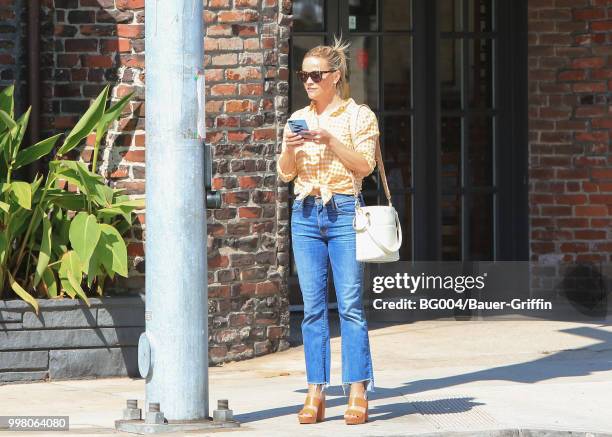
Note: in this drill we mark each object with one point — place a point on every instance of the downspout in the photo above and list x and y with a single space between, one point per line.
34 78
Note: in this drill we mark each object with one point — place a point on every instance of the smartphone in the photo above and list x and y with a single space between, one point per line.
297 126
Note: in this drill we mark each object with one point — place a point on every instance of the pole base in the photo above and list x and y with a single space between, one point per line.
140 427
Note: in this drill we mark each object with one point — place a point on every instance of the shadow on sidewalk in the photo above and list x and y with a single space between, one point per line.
584 361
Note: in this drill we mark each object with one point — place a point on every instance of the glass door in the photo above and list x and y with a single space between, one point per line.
380 75
454 143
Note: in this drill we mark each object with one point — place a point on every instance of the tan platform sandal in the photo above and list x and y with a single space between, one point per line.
313 410
357 411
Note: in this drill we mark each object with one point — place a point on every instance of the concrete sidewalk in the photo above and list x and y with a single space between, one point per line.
430 377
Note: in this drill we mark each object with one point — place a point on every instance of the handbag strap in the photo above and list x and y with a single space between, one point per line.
379 162
381 246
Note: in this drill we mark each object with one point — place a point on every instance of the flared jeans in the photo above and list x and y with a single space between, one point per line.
322 235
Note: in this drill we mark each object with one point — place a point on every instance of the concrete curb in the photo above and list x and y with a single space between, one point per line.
509 432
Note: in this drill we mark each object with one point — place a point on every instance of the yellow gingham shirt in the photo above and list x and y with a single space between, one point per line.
318 169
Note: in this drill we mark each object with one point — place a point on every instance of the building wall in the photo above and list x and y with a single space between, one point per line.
570 79
86 44
246 63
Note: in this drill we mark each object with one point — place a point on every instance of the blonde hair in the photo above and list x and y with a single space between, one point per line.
336 57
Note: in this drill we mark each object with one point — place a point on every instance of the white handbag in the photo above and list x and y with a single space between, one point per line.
378 229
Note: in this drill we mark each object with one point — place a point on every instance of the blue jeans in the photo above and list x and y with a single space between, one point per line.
320 235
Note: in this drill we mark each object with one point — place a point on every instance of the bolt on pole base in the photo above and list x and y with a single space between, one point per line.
141 427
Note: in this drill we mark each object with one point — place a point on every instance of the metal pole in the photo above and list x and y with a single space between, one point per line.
173 352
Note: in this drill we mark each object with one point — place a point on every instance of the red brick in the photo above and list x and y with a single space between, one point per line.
81 45
116 45
230 43
588 234
97 61
249 181
572 173
589 14
219 30
238 106
249 212
602 123
135 156
574 247
555 113
590 39
588 63
267 287
601 26
130 30
238 136
130 4
573 222
226 121
542 247
541 198
590 87
264 134
245 3
601 199
244 73
251 89
572 75
556 210
218 4
589 161
570 199
135 249
213 106
214 75
591 210
244 30
589 258
223 89
225 59
601 173
595 136
588 111
120 173
218 261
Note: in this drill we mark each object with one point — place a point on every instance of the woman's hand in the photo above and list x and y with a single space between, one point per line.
293 140
319 136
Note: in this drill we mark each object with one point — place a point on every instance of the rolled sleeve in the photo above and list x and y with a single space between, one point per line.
285 177
366 136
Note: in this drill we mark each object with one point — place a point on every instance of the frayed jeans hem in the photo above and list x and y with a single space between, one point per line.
323 384
369 387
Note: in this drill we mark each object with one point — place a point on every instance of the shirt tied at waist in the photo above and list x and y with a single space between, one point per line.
326 193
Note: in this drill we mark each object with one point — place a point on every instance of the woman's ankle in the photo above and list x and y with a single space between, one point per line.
316 389
359 388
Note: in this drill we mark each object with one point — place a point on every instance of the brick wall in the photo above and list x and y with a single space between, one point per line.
86 44
246 102
570 79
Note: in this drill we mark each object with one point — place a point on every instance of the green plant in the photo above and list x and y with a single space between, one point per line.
53 240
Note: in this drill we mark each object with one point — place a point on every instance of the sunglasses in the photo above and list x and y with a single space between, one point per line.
316 76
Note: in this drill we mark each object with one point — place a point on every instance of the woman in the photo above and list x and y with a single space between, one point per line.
321 160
